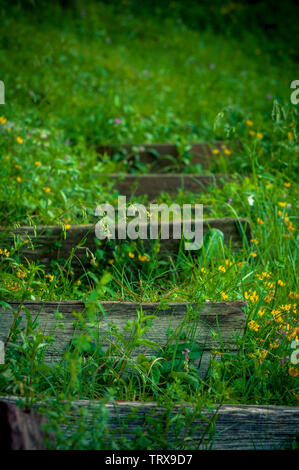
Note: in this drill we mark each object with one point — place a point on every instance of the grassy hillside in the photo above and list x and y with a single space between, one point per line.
84 75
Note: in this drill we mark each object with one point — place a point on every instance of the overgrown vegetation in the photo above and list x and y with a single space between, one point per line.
81 77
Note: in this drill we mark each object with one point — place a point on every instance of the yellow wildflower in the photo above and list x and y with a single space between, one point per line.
19 179
3 120
46 189
286 308
291 334
19 140
251 133
252 296
143 258
282 204
224 295
290 227
222 268
218 353
269 284
253 325
227 152
287 185
259 221
262 353
21 274
249 123
38 163
261 312
215 151
254 255
5 252
259 135
131 255
264 275
293 372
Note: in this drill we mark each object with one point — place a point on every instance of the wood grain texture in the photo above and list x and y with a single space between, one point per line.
238 427
226 319
154 184
47 243
157 155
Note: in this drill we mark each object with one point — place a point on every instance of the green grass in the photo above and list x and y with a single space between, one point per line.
66 83
154 75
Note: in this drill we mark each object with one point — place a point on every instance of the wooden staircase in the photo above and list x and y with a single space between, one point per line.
217 324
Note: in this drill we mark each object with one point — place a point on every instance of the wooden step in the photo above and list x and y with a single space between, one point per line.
237 427
157 155
49 242
226 319
153 184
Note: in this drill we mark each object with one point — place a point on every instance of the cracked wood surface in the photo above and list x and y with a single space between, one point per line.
237 427
211 325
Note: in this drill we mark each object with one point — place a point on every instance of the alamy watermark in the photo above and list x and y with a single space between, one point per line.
294 94
2 92
151 223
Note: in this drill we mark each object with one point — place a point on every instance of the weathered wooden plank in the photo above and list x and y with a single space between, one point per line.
153 184
157 155
238 427
47 243
226 319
